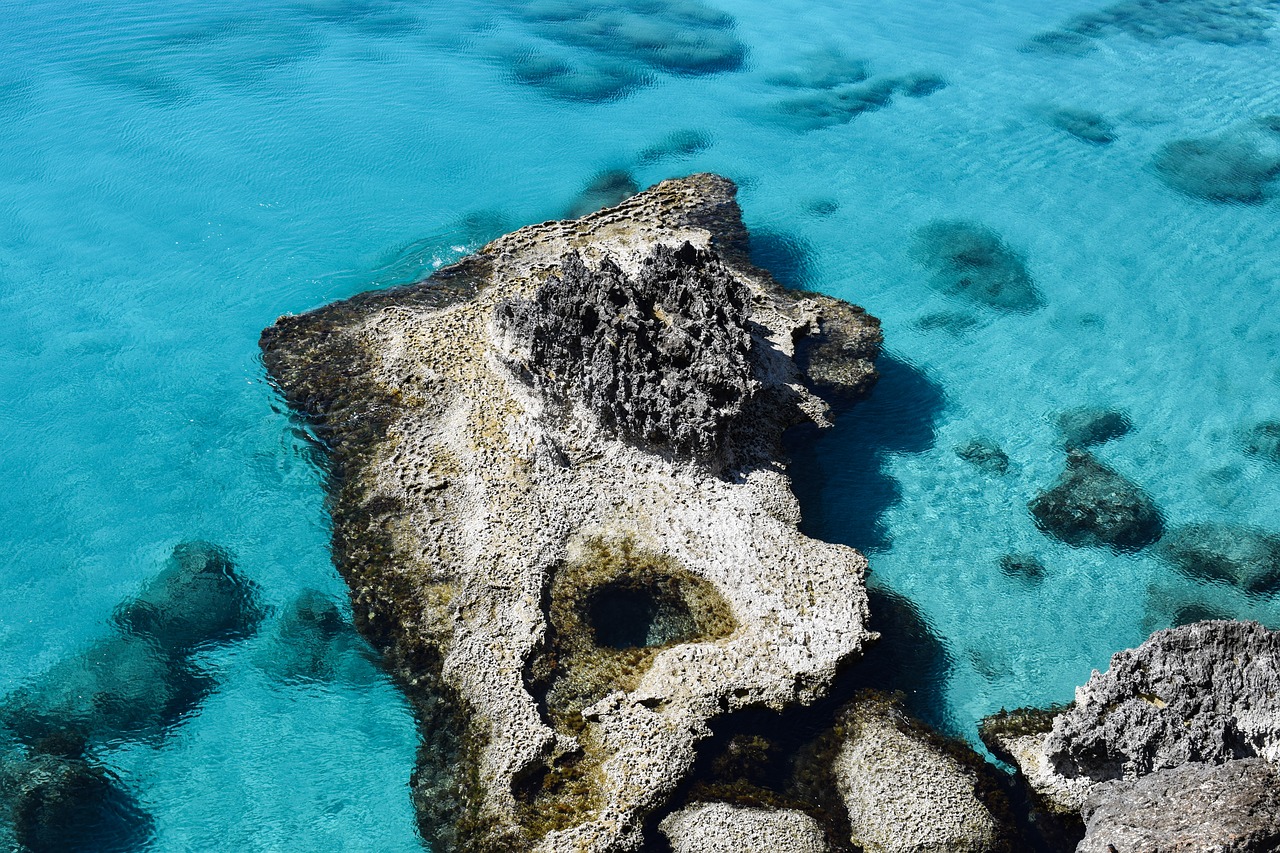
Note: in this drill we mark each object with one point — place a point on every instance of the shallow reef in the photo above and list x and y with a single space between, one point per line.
971 261
605 189
1263 440
1242 556
1086 426
985 454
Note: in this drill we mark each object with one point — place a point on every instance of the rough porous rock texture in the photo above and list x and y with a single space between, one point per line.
1206 693
722 828
559 502
908 791
1198 808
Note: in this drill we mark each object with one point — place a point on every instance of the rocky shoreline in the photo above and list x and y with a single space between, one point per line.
560 501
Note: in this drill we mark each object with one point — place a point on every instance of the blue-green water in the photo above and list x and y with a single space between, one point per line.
175 175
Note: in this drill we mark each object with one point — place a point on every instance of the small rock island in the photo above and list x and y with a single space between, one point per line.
559 499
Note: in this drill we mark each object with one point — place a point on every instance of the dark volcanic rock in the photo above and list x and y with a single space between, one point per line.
661 359
1232 553
1208 692
1092 504
1197 808
1090 425
970 260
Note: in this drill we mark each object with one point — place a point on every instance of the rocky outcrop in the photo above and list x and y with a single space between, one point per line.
722 828
1094 505
1205 693
559 501
909 791
1196 808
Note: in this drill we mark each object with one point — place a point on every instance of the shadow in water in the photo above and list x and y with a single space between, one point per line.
839 475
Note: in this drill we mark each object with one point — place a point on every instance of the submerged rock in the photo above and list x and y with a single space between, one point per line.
1094 505
1245 557
985 454
1263 440
1085 125
606 189
722 828
910 791
1217 169
1089 425
971 261
1024 566
560 504
1197 808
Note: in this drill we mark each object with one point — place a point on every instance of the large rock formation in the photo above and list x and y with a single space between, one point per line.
1206 693
1196 808
722 828
908 790
559 502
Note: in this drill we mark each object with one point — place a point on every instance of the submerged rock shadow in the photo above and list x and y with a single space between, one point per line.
839 475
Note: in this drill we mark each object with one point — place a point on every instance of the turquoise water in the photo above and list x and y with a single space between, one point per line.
175 175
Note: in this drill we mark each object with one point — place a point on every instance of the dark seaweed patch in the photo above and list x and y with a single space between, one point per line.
679 145
1263 440
985 454
1085 125
1224 22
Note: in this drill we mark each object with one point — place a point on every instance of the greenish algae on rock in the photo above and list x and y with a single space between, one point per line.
571 583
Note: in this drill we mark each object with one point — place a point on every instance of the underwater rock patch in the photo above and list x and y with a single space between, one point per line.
1222 169
1085 125
1263 440
972 261
984 454
1243 556
680 145
1087 426
561 571
1094 505
1025 567
1224 22
610 187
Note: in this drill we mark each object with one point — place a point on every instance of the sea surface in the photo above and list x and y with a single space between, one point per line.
175 175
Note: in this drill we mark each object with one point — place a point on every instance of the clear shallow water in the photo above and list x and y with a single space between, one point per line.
175 175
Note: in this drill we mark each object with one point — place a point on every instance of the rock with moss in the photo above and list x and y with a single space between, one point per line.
908 790
560 503
722 828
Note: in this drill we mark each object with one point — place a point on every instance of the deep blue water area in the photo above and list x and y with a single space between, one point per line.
1052 207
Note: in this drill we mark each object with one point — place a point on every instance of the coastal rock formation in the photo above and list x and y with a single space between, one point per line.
722 828
559 502
1205 693
909 791
1224 808
1092 504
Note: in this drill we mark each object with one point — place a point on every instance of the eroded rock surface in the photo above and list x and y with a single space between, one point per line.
559 502
909 791
1197 808
1205 693
722 828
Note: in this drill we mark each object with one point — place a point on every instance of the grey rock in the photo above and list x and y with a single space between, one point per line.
661 359
909 791
1094 505
1207 692
1197 808
1243 556
722 828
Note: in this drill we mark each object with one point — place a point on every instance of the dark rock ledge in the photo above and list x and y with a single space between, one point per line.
559 500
